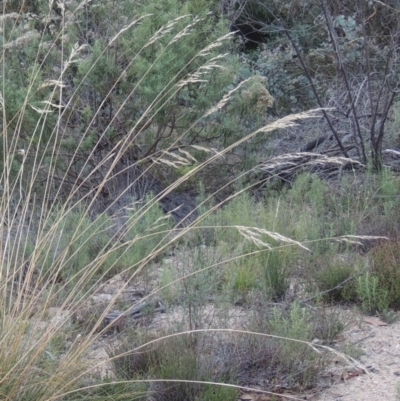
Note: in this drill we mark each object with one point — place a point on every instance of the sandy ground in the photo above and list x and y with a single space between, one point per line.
381 347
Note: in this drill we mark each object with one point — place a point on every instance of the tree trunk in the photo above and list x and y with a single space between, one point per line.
376 156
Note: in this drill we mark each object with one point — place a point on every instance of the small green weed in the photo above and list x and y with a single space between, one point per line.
353 350
373 297
245 279
277 272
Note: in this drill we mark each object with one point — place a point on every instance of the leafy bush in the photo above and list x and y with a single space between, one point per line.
373 297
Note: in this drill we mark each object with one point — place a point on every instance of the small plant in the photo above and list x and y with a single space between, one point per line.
169 292
277 275
389 316
373 297
353 350
245 279
296 361
327 324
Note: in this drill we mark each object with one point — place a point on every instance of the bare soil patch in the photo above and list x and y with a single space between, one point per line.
381 357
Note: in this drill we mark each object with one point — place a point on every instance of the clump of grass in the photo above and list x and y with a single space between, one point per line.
244 277
353 350
372 296
268 272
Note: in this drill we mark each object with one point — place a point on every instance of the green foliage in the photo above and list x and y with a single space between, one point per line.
296 358
388 191
245 278
75 245
79 242
286 82
147 70
373 297
170 292
296 324
277 272
389 316
151 91
304 215
149 84
147 228
18 6
353 350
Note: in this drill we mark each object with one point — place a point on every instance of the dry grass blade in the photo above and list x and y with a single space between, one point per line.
226 98
288 165
126 28
254 234
360 239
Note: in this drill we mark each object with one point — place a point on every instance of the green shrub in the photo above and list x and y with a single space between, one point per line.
373 297
267 271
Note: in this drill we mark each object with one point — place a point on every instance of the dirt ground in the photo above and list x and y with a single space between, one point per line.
380 379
